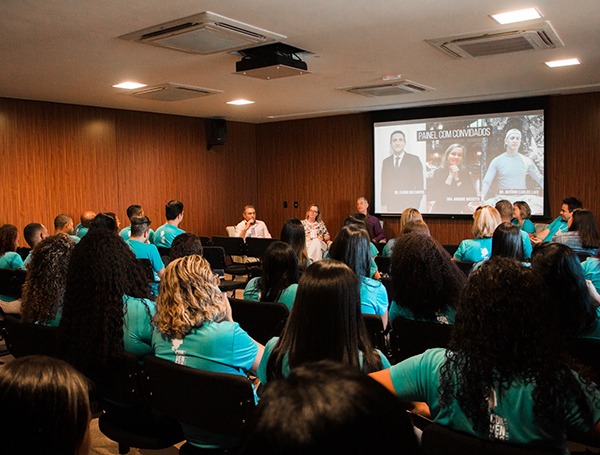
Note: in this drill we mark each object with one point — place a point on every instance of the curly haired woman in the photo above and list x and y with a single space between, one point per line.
505 376
46 281
195 328
106 308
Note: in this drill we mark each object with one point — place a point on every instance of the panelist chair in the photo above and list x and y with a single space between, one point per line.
218 402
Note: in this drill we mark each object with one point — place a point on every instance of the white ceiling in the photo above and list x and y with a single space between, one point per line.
67 51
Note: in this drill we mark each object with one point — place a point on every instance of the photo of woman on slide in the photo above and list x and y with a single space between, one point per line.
451 181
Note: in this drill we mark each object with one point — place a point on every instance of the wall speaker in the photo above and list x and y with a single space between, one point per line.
217 132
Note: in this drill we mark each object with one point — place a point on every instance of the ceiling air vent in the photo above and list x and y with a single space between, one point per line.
535 38
390 89
171 92
204 33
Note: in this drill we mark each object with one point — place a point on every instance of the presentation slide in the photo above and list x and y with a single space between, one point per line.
452 165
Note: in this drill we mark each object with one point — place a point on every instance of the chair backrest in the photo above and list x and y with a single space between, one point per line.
215 255
451 249
217 402
25 338
383 264
163 251
465 267
409 338
439 440
230 231
389 287
234 246
256 247
23 251
375 329
120 380
206 241
583 256
12 281
586 350
262 320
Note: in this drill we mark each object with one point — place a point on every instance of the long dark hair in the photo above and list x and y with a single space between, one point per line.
280 270
362 217
102 270
585 224
507 242
8 237
426 280
502 336
351 246
44 287
570 303
293 234
325 322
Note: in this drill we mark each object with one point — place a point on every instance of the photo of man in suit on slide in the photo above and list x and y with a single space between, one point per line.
401 177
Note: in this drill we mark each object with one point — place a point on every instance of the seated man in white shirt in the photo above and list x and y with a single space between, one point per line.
251 227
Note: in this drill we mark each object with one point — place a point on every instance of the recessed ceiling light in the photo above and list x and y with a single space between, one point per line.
129 85
517 16
566 62
240 102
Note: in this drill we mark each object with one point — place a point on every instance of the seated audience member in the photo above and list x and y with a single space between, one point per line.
506 242
134 210
138 242
195 328
44 288
582 234
106 221
33 234
591 270
570 302
418 227
327 407
44 408
250 226
506 210
522 216
362 205
316 233
560 223
279 280
520 390
63 224
363 224
106 308
426 283
164 235
352 247
185 245
407 216
325 324
9 259
292 233
85 219
485 221
368 227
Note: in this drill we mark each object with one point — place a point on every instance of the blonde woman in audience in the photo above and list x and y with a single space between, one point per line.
46 281
44 408
485 221
196 329
316 233
408 215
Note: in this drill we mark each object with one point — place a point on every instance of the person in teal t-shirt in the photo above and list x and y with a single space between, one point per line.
522 215
325 323
279 280
134 210
196 329
164 235
426 282
559 225
140 232
503 377
10 259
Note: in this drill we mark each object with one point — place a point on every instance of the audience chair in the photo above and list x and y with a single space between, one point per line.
218 402
586 350
25 338
205 241
163 251
12 281
409 338
389 287
376 332
383 264
262 320
465 267
583 256
234 247
23 251
256 247
127 418
451 249
215 255
439 440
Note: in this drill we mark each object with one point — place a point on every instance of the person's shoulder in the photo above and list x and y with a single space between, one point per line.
370 282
